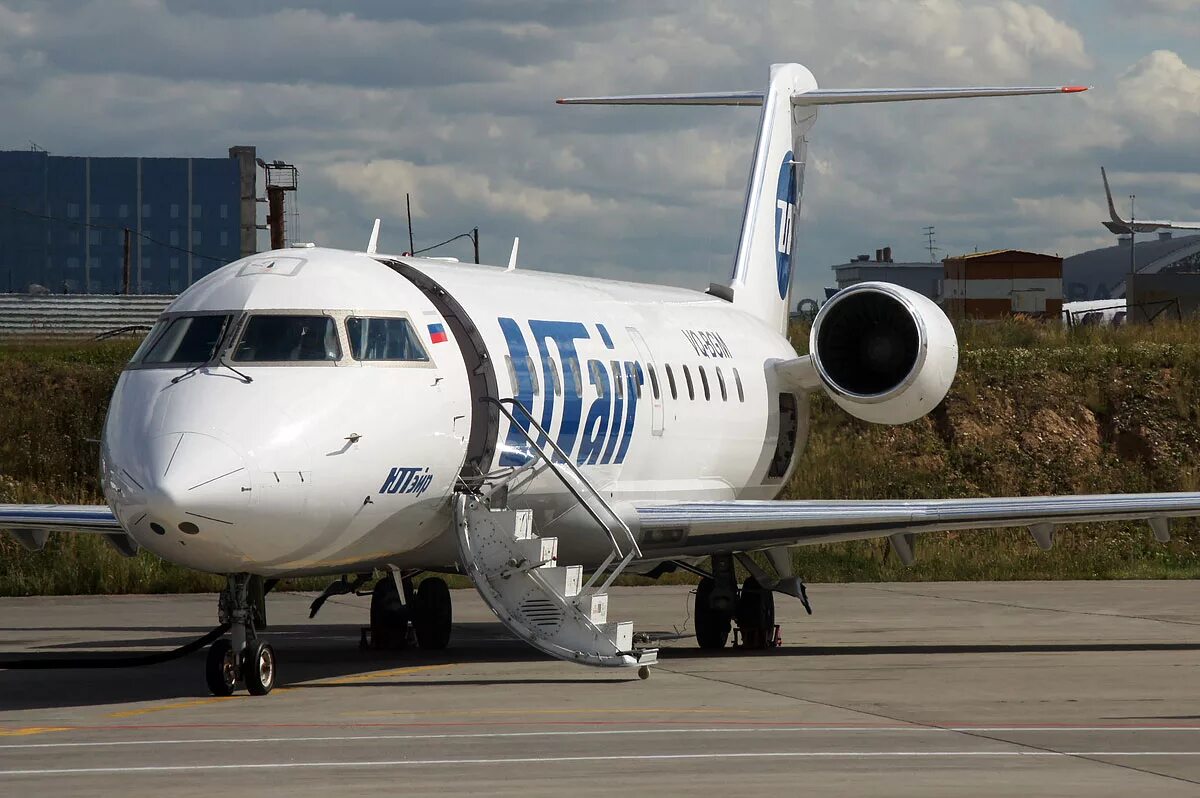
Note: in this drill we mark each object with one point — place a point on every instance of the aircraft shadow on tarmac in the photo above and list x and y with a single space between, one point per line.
310 657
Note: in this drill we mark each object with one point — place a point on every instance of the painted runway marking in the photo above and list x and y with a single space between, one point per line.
31 730
385 763
602 732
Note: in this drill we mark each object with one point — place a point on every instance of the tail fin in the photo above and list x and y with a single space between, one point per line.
762 269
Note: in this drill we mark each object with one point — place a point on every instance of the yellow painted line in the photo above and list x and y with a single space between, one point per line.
358 677
28 730
133 713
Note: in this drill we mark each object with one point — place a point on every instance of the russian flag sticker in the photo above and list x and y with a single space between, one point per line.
437 333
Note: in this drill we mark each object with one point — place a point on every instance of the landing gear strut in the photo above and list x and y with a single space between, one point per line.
241 658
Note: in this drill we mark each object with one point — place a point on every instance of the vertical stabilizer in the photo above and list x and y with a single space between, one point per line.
762 270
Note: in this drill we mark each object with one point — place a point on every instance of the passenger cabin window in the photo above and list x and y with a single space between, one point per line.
188 339
737 378
596 368
653 381
554 381
704 383
671 382
687 377
384 338
618 383
571 365
721 382
288 339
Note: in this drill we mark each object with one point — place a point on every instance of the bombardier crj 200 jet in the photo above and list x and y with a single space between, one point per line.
319 411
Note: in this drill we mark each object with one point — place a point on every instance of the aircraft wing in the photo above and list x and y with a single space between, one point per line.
693 528
31 524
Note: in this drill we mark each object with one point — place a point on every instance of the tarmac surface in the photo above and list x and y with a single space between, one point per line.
1080 688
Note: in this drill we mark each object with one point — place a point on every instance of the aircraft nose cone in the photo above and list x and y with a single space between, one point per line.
189 483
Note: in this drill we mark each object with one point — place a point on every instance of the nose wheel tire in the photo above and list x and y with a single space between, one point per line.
432 614
220 668
258 668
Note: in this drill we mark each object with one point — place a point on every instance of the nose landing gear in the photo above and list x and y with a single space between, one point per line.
240 659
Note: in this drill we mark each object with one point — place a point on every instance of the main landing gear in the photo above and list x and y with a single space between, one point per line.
240 659
424 616
719 603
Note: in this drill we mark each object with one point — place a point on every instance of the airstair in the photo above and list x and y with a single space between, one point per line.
548 605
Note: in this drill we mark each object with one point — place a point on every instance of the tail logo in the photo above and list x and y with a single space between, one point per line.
785 213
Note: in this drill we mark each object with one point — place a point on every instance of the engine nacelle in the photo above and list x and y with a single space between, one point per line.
884 353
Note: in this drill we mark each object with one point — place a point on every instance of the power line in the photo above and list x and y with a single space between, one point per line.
444 243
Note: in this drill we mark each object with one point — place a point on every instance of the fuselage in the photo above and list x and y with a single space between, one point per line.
313 410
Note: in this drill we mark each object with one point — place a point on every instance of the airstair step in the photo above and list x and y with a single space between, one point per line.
538 550
563 580
594 606
523 524
621 633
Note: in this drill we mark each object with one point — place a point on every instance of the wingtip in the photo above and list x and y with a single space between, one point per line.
1074 89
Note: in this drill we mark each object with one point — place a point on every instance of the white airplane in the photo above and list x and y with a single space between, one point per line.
1122 227
317 411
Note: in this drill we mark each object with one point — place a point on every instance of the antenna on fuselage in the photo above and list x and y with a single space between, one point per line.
512 258
374 242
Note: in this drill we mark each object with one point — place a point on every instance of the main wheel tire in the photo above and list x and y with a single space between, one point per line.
389 616
756 614
220 668
432 614
258 668
712 626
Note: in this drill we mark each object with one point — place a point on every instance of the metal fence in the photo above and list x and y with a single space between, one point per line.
77 315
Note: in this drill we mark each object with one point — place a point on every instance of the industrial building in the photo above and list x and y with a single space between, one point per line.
1102 273
924 278
107 225
987 285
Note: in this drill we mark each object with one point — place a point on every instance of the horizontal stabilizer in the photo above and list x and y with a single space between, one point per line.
822 96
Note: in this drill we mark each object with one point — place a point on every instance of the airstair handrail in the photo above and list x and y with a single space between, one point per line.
635 550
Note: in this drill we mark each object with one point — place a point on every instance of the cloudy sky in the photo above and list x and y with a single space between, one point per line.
452 102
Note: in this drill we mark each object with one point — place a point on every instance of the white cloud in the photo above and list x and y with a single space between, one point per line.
451 103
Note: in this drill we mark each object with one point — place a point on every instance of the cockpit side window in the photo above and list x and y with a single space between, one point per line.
272 338
187 339
384 338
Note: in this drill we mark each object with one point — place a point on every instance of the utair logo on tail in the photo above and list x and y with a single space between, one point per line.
785 214
607 425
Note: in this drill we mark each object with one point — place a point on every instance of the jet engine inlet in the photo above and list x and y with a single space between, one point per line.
885 354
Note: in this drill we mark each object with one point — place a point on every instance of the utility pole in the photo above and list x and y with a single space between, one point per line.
125 263
475 240
1132 240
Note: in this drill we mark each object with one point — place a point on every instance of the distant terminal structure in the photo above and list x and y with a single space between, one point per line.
1103 273
73 224
924 278
1003 282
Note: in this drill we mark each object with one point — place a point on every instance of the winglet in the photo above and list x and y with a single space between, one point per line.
374 242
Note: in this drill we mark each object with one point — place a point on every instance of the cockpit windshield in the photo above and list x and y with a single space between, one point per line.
187 339
270 338
384 338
